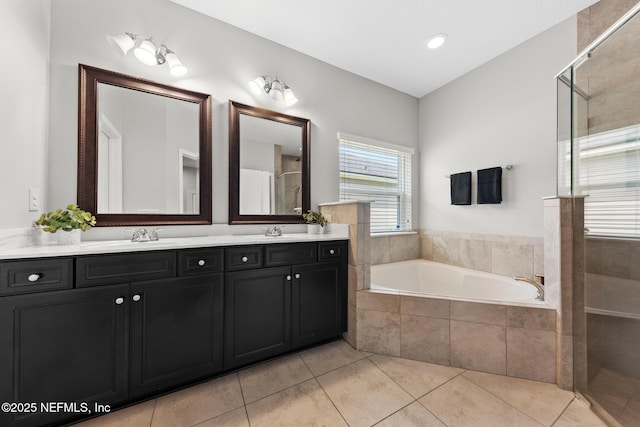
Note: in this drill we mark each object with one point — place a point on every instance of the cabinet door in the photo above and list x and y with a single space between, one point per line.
317 303
176 331
257 315
63 346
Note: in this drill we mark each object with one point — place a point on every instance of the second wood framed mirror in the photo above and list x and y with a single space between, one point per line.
269 166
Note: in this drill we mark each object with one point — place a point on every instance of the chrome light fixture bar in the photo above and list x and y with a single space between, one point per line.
276 89
147 52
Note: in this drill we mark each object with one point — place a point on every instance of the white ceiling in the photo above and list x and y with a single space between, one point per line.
384 40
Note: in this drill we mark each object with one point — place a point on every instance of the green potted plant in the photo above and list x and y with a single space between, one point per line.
316 222
70 222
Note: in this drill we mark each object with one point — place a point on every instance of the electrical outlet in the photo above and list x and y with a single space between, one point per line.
34 200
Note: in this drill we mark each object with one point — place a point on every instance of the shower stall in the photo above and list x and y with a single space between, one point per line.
599 159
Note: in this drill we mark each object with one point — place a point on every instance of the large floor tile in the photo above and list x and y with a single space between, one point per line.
578 414
414 415
416 378
303 405
198 403
235 418
133 416
328 357
541 401
460 402
271 377
363 393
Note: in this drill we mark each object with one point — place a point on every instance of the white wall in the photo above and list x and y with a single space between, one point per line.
503 112
221 60
24 85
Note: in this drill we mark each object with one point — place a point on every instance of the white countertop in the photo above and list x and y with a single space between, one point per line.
116 246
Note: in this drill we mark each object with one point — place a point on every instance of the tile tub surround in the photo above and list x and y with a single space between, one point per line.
335 385
501 339
393 247
356 216
505 255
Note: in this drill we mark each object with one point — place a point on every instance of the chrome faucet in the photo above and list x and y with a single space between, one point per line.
273 232
538 286
142 235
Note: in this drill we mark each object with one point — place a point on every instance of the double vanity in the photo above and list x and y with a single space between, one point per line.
111 323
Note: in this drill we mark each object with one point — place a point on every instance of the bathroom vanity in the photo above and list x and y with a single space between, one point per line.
114 328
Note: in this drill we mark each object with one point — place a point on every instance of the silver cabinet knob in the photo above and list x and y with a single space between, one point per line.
119 300
201 262
136 298
288 277
331 251
245 259
33 277
297 275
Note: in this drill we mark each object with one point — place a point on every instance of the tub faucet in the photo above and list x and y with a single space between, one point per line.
538 286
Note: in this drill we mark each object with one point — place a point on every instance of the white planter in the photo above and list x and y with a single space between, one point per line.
72 237
315 229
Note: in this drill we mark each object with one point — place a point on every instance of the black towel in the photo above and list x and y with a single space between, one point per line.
461 188
490 186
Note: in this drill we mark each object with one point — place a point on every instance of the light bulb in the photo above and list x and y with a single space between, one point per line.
276 90
146 52
257 85
289 97
123 42
175 66
436 41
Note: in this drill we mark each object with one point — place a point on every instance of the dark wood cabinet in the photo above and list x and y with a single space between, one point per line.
111 329
63 346
317 303
257 315
176 332
272 310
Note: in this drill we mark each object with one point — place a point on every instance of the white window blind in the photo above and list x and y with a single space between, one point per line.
378 172
609 174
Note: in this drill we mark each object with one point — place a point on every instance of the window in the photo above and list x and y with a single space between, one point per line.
609 174
381 173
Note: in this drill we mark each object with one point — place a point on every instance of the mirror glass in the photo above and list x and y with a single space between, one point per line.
151 144
268 166
144 151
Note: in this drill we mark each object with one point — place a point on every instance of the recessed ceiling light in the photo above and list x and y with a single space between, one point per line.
436 41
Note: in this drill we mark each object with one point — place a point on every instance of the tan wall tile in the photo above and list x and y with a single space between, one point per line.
479 346
531 354
404 247
425 339
380 250
478 313
368 300
531 318
475 254
420 306
512 260
378 332
445 250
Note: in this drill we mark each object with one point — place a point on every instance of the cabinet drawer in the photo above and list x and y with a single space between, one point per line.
131 267
199 261
37 275
242 257
332 251
290 253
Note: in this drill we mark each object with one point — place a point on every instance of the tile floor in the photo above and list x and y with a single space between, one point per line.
335 385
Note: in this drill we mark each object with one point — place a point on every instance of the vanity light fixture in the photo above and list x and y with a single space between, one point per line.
276 89
147 52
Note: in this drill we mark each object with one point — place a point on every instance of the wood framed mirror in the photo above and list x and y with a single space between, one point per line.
144 151
269 166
